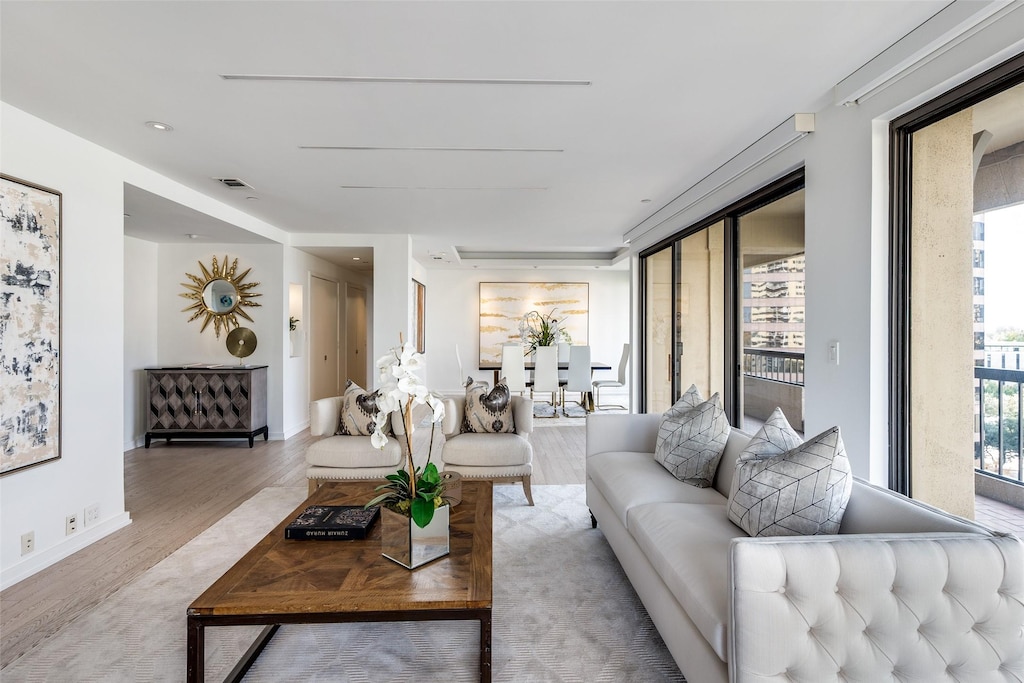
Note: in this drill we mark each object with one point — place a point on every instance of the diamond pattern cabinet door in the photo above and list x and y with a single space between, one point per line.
226 404
172 401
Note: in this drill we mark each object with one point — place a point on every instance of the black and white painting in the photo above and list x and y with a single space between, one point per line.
30 224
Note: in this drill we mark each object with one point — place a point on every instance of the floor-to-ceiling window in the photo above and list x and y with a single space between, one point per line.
723 309
957 303
772 289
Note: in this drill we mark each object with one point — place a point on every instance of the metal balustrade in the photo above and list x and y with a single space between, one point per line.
777 365
1005 460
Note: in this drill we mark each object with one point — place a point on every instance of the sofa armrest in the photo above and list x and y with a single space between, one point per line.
324 415
930 606
522 415
635 432
451 424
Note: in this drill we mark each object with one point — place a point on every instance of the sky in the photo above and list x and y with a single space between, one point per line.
1004 268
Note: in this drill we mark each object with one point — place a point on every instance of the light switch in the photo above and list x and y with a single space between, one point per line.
833 353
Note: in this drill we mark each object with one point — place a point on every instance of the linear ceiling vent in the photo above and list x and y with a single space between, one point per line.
234 183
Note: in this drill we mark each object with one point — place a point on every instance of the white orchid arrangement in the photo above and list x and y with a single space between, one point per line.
408 491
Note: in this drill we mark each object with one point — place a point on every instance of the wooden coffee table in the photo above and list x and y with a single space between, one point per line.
312 582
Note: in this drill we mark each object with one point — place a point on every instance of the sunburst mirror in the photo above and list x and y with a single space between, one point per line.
220 294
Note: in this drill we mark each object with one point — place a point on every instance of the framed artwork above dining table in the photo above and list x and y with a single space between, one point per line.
504 304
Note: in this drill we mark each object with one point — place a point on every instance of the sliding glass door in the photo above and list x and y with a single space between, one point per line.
957 319
723 309
684 317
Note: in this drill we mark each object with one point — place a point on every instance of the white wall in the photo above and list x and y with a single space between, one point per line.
90 470
299 267
847 233
180 342
95 424
140 344
453 317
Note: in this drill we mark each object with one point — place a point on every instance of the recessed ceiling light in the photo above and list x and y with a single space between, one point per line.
356 258
253 199
409 187
401 79
645 201
157 125
375 148
192 236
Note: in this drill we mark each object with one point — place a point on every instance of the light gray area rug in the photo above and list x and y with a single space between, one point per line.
563 611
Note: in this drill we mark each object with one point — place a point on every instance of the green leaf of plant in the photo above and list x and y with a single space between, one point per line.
422 512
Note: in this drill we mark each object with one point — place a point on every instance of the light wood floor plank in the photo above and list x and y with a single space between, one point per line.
175 492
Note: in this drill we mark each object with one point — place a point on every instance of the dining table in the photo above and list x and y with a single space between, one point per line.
562 365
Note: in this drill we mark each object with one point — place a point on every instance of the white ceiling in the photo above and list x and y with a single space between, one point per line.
675 89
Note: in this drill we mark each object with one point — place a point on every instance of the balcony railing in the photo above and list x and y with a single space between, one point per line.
774 364
998 437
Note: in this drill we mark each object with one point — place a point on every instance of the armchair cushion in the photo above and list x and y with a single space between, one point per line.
353 451
358 409
487 450
488 411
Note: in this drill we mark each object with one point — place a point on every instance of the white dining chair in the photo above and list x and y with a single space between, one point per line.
463 376
563 357
545 375
513 367
579 378
598 383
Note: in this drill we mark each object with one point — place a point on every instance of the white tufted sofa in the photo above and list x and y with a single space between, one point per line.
904 592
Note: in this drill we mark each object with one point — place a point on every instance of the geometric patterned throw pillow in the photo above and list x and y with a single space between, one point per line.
689 400
358 409
785 487
488 411
691 440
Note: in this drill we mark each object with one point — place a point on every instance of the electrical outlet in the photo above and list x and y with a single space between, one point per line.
72 525
92 514
28 542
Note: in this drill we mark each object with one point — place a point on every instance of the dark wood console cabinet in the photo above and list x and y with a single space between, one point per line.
208 402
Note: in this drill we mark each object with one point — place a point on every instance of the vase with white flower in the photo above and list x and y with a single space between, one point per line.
414 512
539 329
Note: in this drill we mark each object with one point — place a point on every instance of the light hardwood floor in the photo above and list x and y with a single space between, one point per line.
175 492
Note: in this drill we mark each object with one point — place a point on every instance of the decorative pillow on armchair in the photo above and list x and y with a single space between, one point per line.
786 487
488 411
358 410
691 440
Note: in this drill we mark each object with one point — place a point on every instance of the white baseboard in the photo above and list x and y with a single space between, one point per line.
289 433
42 559
139 442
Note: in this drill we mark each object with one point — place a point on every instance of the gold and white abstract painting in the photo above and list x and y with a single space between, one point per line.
503 305
29 324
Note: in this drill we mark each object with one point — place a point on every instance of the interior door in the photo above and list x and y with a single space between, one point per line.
323 339
355 334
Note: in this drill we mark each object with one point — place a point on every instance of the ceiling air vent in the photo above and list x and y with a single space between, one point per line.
234 183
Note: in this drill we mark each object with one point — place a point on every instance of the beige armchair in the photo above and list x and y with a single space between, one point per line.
496 457
337 457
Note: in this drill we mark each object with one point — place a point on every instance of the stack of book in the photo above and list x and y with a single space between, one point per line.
332 522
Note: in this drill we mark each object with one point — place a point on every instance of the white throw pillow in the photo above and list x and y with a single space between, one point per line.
691 440
785 487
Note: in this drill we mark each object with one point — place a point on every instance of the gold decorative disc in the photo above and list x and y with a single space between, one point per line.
241 342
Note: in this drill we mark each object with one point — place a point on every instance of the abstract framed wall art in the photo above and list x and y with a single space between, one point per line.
30 334
419 327
503 305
